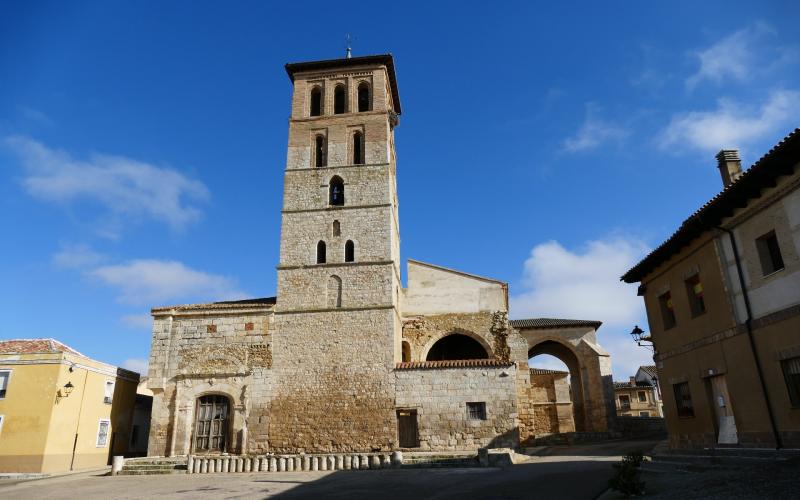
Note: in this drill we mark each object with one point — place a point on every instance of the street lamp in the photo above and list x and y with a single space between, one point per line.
68 388
639 337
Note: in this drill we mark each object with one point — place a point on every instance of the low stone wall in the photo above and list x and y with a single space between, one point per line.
289 463
642 426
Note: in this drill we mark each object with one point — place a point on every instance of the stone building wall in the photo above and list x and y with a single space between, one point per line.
550 397
210 349
440 396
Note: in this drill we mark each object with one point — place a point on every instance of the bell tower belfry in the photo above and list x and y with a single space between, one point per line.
337 328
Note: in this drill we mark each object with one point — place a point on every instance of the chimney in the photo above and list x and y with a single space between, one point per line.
633 380
730 166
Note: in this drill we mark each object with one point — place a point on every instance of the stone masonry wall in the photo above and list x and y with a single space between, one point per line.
205 351
440 396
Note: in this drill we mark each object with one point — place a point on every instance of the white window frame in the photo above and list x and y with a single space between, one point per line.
8 381
2 419
108 433
106 398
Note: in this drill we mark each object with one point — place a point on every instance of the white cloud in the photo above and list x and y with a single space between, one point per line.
138 321
125 187
137 365
150 281
584 284
78 256
740 56
733 124
594 132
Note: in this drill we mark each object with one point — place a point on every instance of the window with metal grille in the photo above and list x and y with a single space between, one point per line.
476 411
769 253
4 376
642 397
694 289
667 310
683 399
644 413
791 373
320 159
624 401
108 395
102 433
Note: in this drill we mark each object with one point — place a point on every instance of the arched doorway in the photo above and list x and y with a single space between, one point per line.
456 346
570 360
212 424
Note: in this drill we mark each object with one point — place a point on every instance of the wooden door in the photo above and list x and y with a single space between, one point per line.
211 426
407 428
721 402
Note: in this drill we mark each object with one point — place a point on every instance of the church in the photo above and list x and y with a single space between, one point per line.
346 359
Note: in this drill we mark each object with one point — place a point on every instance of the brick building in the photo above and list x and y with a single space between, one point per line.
346 358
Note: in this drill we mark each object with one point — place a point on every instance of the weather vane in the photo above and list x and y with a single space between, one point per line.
348 41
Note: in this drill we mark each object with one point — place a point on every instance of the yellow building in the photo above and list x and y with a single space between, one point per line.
635 399
60 410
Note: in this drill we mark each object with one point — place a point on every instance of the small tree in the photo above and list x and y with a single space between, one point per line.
626 475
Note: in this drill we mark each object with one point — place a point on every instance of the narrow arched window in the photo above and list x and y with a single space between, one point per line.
336 191
316 102
358 148
339 100
406 352
349 251
363 97
337 228
334 291
320 155
321 252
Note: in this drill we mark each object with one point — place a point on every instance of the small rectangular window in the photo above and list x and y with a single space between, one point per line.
694 289
108 396
769 253
476 411
4 376
791 373
624 401
667 310
102 433
644 413
642 397
683 399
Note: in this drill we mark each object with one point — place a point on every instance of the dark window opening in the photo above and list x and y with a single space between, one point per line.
769 253
683 400
363 98
694 289
667 310
358 148
791 373
642 397
316 102
476 411
456 346
337 228
406 352
349 251
321 252
339 100
336 191
624 401
320 159
644 413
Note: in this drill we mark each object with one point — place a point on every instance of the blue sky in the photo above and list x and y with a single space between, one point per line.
550 145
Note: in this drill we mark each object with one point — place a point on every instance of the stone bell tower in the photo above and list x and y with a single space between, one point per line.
337 330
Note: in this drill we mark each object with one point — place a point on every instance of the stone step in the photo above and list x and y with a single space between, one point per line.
125 472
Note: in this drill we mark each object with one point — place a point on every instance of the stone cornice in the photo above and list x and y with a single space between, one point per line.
336 264
335 208
340 167
336 309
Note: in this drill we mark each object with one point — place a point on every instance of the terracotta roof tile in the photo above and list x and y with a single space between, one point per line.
628 385
553 323
649 369
225 304
30 346
456 363
543 371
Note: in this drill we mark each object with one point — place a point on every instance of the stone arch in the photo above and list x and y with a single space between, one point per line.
188 393
567 355
589 366
464 333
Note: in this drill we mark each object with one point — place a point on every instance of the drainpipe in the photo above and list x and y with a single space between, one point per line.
748 327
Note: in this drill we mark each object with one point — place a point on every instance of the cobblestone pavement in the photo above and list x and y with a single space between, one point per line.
773 480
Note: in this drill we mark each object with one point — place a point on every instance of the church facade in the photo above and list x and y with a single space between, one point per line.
345 359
